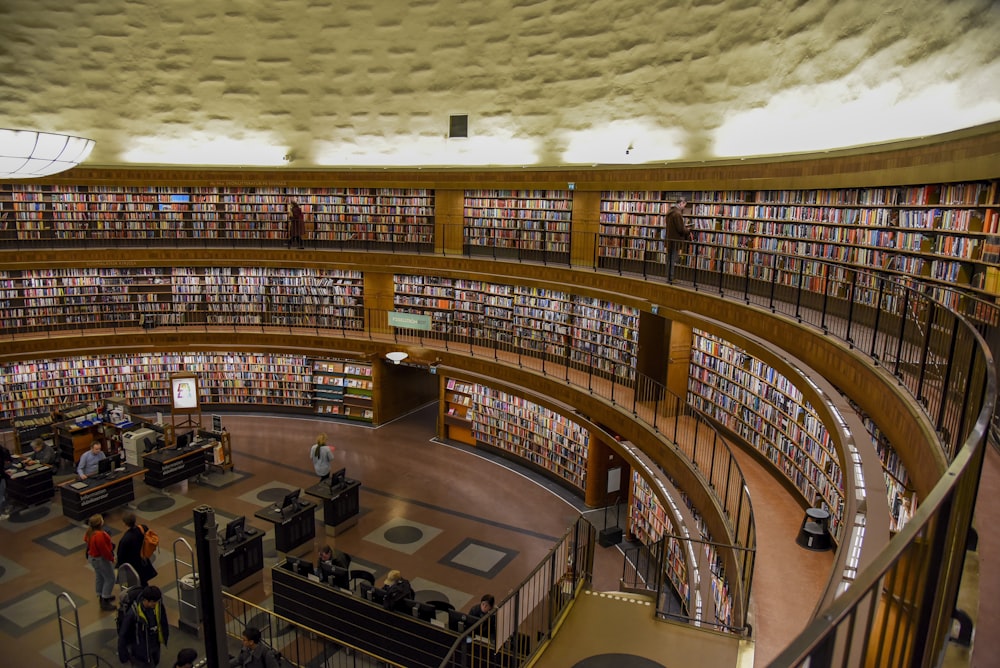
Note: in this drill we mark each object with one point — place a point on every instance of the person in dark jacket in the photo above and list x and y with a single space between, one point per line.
144 630
677 234
130 549
296 225
397 588
482 609
254 653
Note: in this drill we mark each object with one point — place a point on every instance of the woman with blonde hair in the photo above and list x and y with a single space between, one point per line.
101 556
322 457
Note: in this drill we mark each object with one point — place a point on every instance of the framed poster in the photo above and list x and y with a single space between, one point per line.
184 395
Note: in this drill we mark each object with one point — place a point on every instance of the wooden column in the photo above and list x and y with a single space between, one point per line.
586 224
601 459
449 218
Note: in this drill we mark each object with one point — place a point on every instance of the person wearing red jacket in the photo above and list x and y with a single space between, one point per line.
101 556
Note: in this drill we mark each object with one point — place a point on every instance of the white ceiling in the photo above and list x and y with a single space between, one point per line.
544 82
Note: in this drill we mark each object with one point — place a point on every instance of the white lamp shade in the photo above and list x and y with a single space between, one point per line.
25 154
396 357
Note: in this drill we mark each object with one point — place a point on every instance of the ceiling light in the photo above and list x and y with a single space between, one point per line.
25 154
396 357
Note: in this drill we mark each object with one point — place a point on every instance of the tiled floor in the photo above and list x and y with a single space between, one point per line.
455 523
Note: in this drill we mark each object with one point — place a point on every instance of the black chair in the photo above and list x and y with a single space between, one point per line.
365 591
363 576
424 611
444 606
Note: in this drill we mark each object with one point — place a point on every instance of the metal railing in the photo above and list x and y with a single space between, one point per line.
511 635
940 358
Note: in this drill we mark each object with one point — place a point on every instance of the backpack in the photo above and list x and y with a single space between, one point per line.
125 601
150 544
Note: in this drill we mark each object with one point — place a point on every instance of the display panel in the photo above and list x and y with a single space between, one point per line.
184 393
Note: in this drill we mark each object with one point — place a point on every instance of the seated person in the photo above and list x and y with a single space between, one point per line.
42 453
254 653
480 610
397 588
89 461
331 557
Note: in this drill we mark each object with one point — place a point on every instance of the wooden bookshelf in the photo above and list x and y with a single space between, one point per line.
632 228
359 390
530 224
400 219
593 334
515 427
458 410
765 410
901 495
153 296
328 387
258 380
649 523
943 234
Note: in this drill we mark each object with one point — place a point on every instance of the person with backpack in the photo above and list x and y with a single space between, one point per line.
130 549
144 630
322 457
101 556
254 653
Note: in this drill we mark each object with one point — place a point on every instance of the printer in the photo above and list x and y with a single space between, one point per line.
134 444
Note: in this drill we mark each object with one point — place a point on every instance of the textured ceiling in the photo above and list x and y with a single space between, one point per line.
544 82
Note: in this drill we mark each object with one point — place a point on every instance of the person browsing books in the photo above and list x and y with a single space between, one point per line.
677 234
90 461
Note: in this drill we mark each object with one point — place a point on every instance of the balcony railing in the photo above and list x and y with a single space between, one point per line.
897 611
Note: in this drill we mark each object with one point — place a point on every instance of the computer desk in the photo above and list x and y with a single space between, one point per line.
341 505
83 498
169 466
292 528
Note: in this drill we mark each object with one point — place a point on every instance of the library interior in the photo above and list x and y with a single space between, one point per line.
474 357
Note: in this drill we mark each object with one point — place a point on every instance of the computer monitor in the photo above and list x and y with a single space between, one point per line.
291 500
148 445
235 529
338 478
424 611
458 621
299 566
105 466
378 596
183 440
335 575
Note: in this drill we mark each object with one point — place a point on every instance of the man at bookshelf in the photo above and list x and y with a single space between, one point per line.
677 232
90 461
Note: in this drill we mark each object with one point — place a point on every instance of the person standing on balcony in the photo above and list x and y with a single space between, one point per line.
296 225
677 234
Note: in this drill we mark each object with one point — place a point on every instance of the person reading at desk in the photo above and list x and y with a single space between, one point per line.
90 461
330 557
42 453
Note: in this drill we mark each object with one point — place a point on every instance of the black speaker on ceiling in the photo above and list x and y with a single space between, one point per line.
458 125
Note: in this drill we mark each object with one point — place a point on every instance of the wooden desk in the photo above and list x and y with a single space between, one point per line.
403 639
169 466
292 528
341 505
74 438
242 560
30 486
83 498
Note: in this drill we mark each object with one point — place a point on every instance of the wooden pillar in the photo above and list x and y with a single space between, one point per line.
602 460
378 298
449 219
586 224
